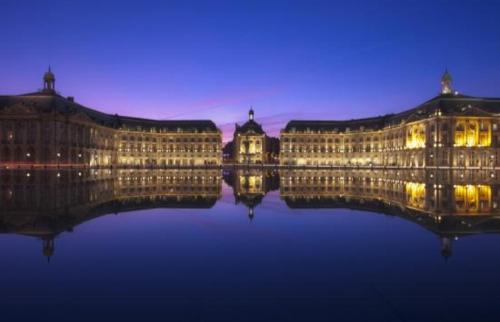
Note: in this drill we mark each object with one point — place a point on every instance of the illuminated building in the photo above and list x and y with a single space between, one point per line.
451 130
446 203
436 193
46 203
47 129
251 185
251 145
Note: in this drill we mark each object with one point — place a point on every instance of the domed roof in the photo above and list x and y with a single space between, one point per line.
446 76
49 76
250 126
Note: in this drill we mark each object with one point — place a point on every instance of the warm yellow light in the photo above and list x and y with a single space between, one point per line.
415 137
473 133
415 194
472 198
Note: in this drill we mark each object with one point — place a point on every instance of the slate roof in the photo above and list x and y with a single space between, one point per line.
49 102
249 126
446 104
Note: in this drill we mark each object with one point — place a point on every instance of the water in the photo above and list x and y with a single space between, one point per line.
250 245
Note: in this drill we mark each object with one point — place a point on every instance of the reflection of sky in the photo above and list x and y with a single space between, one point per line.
217 262
214 59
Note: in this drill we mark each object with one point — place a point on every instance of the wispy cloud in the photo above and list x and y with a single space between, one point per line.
223 100
272 124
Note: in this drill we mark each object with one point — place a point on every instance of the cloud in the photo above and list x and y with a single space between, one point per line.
223 100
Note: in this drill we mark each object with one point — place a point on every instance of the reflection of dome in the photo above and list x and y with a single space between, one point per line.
446 250
251 213
48 248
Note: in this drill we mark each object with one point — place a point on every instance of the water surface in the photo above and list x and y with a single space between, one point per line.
250 245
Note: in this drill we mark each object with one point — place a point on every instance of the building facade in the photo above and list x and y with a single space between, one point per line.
46 203
47 129
450 130
251 145
249 142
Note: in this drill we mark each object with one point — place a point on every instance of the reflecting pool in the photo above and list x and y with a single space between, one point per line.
249 245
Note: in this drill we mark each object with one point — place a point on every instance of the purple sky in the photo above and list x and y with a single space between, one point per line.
215 59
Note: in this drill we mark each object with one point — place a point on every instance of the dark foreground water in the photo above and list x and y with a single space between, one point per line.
249 246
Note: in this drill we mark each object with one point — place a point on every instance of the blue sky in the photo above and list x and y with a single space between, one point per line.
215 59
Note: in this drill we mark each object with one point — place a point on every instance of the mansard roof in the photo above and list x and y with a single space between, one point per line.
50 102
249 126
447 104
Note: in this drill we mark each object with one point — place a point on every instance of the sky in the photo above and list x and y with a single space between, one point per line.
216 59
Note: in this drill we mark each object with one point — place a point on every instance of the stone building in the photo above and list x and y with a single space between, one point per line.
249 142
450 130
47 203
450 204
46 129
251 145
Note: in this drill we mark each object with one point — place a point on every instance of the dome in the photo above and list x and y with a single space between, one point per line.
49 76
446 76
446 83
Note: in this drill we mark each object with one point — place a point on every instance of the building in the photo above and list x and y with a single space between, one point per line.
450 130
47 203
249 142
448 203
251 185
47 129
251 145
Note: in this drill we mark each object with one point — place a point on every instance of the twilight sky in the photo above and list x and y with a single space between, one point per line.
215 59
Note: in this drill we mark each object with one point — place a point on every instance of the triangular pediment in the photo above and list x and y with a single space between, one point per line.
472 111
415 116
80 117
17 109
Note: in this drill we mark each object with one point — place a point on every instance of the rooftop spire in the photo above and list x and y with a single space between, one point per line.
250 114
446 83
49 81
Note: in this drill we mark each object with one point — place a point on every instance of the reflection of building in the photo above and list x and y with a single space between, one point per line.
251 185
44 203
437 193
450 130
44 128
449 204
251 145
